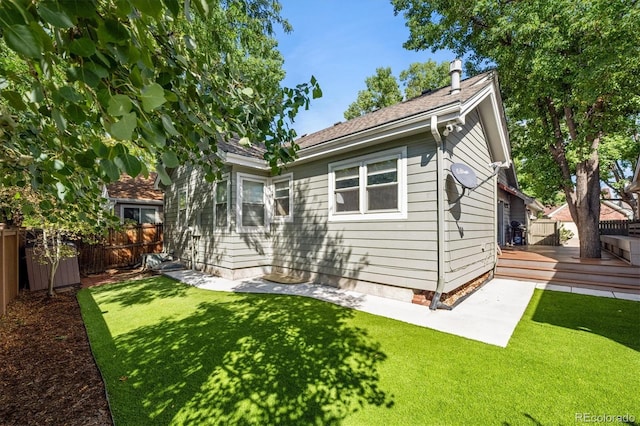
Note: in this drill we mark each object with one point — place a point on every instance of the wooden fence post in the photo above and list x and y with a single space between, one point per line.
9 267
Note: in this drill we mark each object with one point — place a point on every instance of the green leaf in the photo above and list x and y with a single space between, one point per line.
53 15
173 6
170 159
46 205
82 47
147 7
151 133
110 169
128 164
76 113
60 121
70 94
99 148
112 31
317 92
152 97
21 39
247 91
119 105
164 176
168 125
123 129
86 159
14 99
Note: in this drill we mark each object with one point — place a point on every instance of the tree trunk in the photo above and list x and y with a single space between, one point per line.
586 210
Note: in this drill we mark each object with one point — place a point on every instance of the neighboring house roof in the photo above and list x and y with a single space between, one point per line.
139 188
608 211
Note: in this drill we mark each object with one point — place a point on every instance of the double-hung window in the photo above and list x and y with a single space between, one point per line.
370 187
283 198
182 207
252 207
221 203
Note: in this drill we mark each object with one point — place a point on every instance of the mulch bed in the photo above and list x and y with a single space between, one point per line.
47 372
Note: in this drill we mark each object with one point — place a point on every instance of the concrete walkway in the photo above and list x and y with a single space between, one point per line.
489 315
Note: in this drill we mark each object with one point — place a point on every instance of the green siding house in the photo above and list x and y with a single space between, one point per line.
370 204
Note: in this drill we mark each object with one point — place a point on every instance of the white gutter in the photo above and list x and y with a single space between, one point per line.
435 301
241 160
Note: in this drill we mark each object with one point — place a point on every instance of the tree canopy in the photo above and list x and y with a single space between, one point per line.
570 72
86 85
383 88
421 76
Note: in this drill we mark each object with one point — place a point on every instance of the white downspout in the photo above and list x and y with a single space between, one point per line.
435 301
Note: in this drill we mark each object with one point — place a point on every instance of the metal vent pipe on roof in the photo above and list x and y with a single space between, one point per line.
455 71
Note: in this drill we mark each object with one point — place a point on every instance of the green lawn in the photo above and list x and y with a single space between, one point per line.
174 354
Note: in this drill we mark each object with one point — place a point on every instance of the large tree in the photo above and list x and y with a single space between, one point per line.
422 76
382 90
570 71
91 83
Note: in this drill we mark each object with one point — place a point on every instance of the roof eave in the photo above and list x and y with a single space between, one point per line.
241 160
391 130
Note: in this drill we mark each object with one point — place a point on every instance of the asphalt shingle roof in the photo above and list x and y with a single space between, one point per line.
426 102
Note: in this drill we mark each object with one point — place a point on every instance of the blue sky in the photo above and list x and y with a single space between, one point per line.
342 43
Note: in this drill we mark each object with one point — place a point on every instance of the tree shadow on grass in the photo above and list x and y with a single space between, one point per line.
614 319
245 359
130 293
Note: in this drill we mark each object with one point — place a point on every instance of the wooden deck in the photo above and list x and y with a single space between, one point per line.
558 254
563 266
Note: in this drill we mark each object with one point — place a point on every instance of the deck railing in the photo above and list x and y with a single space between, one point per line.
619 227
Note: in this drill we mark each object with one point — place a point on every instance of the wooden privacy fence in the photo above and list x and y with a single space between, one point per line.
39 271
544 232
121 248
9 266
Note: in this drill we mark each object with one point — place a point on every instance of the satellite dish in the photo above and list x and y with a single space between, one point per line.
464 175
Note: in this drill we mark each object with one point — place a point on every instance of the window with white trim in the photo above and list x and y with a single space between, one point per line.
369 187
221 204
140 214
283 198
252 203
182 207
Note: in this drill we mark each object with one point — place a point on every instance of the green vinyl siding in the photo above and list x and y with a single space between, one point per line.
399 252
470 246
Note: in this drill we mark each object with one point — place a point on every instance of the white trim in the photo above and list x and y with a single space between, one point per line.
285 177
135 201
265 197
243 160
361 162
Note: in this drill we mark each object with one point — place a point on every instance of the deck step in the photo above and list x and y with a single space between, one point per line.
587 275
626 288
